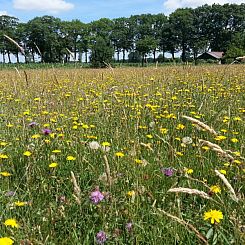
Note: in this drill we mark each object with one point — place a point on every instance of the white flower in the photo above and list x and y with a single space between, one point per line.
94 145
187 140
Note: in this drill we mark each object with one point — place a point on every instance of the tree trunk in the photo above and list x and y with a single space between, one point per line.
172 52
123 55
118 59
17 57
33 56
154 55
9 57
86 57
3 57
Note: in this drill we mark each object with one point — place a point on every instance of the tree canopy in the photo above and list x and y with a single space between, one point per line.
186 30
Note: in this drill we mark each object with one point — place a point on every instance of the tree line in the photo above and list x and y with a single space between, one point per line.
186 30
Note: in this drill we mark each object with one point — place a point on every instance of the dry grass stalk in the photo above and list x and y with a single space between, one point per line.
201 125
107 170
228 185
190 191
184 223
217 149
16 44
77 190
148 146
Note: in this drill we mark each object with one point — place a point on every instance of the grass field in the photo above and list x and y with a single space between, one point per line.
109 156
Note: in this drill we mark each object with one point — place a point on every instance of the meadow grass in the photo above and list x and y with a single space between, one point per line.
124 135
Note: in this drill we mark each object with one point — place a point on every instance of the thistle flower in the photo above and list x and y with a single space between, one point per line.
96 196
167 171
46 131
101 237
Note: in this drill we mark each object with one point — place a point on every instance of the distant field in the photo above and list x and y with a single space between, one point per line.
95 156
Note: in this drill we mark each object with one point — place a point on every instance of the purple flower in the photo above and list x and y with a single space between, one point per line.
32 124
10 194
46 131
96 196
129 226
167 171
101 237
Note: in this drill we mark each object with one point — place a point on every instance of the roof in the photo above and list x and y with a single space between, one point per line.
211 55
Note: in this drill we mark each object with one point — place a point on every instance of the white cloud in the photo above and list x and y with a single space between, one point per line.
3 12
52 6
171 5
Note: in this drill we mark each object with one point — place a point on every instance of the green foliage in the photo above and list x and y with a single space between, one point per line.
101 53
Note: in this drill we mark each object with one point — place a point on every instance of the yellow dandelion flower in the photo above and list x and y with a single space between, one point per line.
215 189
220 137
178 153
105 143
180 126
237 161
35 136
131 193
222 171
70 158
5 174
206 148
53 165
11 222
138 161
119 154
237 119
214 215
3 156
19 204
234 140
149 136
188 170
6 241
56 151
163 130
27 153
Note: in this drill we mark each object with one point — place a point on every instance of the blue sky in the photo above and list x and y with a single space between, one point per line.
88 10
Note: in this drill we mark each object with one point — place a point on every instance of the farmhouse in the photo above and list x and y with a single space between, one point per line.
211 56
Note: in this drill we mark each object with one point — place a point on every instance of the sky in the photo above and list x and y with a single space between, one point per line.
89 10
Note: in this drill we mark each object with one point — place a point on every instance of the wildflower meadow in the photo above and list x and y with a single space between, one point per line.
122 156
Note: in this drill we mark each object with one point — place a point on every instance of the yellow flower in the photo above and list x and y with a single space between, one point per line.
6 241
213 215
178 153
237 119
149 136
234 140
131 193
138 161
19 204
237 161
11 222
105 143
56 151
119 154
70 158
5 174
27 153
189 170
163 130
220 137
222 171
35 136
206 148
3 156
180 126
53 165
215 189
